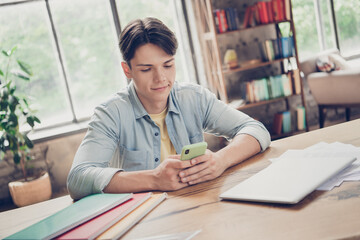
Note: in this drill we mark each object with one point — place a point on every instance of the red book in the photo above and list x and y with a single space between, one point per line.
246 22
280 10
270 11
223 21
94 227
262 9
277 123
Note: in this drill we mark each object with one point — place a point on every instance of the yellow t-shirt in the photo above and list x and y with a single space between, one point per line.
166 147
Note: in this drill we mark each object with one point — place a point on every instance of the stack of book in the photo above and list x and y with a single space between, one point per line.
282 121
269 88
226 19
102 216
278 48
264 12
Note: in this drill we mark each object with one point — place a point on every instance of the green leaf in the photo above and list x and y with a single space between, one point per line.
36 119
28 142
25 67
30 121
12 50
22 76
12 88
5 53
1 73
4 93
13 102
25 101
17 158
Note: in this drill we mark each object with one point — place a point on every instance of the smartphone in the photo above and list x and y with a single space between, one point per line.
193 150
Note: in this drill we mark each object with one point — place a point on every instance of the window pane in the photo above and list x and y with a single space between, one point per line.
90 50
166 12
326 25
348 26
27 26
306 33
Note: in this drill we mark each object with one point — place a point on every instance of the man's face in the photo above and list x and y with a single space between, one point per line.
153 72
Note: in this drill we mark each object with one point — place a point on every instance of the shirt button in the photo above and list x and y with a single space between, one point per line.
156 134
156 159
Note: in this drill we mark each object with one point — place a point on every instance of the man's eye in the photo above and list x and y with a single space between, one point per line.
145 70
168 66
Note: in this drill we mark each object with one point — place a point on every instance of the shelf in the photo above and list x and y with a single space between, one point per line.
256 104
252 66
248 28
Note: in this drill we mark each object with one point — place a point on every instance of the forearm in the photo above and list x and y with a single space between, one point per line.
139 181
241 148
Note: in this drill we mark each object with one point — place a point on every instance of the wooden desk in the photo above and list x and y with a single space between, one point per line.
321 215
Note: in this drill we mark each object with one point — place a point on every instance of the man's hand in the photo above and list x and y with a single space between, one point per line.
167 173
203 168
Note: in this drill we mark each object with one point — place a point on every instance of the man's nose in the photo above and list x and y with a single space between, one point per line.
159 75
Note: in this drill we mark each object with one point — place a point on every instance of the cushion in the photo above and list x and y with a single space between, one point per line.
324 64
340 62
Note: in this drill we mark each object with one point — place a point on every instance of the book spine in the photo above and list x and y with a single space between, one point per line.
223 21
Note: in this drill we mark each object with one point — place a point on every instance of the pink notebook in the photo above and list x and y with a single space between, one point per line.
94 227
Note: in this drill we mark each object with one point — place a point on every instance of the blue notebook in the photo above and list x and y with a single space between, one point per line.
71 216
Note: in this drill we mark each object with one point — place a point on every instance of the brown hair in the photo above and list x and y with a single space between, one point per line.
143 31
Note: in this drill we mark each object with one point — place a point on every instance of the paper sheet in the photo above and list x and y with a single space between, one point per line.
336 149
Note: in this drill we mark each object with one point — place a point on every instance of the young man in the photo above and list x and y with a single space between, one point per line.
134 138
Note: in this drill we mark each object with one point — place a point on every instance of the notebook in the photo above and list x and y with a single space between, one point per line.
121 227
287 180
71 216
94 227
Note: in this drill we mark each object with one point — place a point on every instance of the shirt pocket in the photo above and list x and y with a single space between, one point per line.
133 160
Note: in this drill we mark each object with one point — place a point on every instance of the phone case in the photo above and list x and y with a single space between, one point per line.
193 150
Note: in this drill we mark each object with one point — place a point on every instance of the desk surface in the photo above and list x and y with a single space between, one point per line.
331 214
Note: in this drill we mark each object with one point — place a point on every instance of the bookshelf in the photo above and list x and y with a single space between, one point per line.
262 54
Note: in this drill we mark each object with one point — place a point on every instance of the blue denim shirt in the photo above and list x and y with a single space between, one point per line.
122 136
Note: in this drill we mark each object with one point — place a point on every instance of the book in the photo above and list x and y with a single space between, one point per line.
277 123
286 84
71 216
300 116
287 10
94 227
286 122
287 46
247 16
121 227
297 81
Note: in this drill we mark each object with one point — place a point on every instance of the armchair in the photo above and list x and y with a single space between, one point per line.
336 89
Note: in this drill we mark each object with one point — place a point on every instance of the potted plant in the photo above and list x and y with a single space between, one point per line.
14 111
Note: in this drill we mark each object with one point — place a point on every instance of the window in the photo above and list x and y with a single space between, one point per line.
72 47
348 26
31 33
317 30
88 43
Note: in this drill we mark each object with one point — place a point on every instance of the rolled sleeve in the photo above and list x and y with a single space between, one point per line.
228 122
90 172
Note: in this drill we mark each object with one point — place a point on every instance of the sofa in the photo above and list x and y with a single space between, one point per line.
338 87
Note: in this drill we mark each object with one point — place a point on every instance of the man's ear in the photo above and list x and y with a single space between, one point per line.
126 69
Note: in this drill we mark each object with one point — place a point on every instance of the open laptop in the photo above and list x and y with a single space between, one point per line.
287 180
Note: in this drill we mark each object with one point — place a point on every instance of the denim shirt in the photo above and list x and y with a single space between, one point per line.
122 136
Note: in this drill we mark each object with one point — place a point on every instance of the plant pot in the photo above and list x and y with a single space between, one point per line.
30 192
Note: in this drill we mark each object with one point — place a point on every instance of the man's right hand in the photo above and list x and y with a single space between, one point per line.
167 173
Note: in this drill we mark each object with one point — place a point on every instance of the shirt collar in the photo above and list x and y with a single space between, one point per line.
139 109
